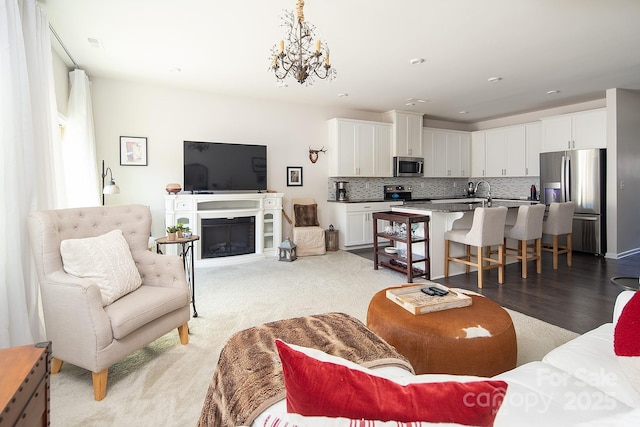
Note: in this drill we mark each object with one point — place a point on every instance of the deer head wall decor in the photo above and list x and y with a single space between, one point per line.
313 154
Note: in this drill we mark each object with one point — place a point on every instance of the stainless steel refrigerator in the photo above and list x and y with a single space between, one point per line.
578 176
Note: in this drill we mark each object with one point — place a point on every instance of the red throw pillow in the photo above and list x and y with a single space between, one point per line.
317 388
626 340
626 337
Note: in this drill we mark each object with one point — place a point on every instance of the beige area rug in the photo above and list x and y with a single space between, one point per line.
165 383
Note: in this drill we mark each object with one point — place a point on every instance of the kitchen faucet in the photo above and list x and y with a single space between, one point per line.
488 192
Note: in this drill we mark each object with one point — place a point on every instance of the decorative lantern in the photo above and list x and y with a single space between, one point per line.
287 251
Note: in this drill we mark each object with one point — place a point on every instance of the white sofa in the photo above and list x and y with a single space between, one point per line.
580 383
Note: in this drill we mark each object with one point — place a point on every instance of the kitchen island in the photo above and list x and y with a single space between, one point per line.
447 215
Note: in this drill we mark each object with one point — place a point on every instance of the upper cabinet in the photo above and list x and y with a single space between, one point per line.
447 153
478 154
505 151
585 129
533 145
509 151
407 133
359 148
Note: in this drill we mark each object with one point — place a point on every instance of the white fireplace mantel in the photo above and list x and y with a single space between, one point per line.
190 209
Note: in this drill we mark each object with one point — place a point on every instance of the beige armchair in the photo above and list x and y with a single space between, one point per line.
82 331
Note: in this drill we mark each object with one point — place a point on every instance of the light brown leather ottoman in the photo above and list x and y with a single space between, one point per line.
475 340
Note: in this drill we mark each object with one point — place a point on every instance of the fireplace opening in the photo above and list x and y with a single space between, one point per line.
222 237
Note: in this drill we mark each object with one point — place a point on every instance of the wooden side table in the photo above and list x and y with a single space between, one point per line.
186 253
24 385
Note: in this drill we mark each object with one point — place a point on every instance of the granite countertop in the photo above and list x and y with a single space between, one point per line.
461 206
428 199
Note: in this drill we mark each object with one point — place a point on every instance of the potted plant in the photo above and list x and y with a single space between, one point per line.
181 229
171 232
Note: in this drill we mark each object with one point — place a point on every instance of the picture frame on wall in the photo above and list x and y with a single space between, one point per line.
133 151
294 176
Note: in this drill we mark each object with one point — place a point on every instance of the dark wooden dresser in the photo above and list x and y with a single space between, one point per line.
24 385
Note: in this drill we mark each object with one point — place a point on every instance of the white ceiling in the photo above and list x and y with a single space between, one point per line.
579 47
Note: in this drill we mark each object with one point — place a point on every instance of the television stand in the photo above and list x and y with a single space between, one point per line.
264 208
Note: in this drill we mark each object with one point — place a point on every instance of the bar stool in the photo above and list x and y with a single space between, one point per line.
528 227
559 222
487 229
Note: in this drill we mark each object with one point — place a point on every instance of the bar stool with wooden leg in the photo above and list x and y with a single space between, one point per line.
528 227
559 222
487 229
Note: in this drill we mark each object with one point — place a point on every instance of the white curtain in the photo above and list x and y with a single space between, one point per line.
79 147
28 154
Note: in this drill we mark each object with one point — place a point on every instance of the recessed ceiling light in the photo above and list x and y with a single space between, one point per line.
463 112
416 61
97 43
494 79
553 92
422 101
342 95
410 104
175 70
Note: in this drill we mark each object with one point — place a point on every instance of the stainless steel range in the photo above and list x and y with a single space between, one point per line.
397 192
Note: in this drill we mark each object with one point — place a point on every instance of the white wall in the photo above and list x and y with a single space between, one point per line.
623 156
167 116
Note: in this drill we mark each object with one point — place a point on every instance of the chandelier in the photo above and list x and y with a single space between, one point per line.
297 54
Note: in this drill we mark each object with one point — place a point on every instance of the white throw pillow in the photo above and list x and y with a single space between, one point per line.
105 260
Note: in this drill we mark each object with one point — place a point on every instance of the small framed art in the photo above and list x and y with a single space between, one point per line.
133 151
294 176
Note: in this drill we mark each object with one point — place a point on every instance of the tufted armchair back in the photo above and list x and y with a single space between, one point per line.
54 226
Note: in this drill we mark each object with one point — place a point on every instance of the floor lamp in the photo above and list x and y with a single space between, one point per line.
111 187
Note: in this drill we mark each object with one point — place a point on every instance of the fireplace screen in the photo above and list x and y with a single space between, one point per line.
223 237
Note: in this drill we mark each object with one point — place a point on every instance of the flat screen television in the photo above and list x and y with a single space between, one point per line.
211 167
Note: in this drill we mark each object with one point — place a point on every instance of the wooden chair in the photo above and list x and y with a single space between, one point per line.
559 222
528 227
487 229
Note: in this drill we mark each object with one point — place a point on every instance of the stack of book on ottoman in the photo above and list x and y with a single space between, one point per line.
427 297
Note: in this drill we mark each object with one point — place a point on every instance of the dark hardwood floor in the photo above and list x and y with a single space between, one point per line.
578 298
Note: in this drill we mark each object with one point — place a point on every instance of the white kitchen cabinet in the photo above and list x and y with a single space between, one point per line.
585 129
533 145
505 151
354 221
447 153
407 133
478 155
359 148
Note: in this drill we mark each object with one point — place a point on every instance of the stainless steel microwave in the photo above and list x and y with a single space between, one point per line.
408 166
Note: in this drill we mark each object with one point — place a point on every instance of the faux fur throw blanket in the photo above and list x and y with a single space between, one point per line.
248 378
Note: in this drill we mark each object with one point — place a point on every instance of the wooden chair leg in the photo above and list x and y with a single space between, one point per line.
56 365
100 384
555 251
467 267
501 264
523 254
446 258
539 256
480 264
183 331
569 250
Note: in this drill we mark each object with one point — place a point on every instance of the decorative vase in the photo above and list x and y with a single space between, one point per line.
179 234
173 188
171 236
186 234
